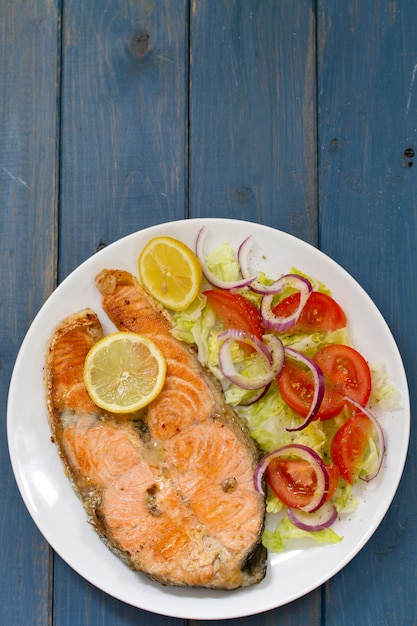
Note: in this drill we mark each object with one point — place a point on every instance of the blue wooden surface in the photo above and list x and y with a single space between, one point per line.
297 114
367 104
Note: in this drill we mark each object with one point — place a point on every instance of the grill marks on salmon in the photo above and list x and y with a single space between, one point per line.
170 490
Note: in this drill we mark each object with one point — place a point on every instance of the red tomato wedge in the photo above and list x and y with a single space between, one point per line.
294 481
296 386
235 311
346 373
320 313
349 445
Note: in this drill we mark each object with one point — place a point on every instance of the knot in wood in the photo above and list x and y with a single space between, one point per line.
408 156
139 44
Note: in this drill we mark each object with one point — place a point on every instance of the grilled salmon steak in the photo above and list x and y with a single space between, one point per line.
169 489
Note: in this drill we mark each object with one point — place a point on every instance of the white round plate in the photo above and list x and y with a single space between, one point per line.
59 514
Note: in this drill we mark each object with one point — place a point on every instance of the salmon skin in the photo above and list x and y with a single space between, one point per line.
170 489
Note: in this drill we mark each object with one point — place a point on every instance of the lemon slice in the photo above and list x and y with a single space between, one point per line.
170 272
124 372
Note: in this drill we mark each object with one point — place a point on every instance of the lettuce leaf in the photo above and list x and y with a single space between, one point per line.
344 498
269 418
384 394
285 530
273 504
222 261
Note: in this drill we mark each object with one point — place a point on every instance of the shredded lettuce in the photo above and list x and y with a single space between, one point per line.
269 417
273 504
309 344
285 530
195 326
384 394
316 284
268 420
223 263
344 498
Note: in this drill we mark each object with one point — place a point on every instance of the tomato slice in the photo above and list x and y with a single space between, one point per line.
346 371
349 444
294 481
320 313
334 475
296 386
235 311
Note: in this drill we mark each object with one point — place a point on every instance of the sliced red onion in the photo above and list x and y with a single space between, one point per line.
313 522
276 349
228 367
281 323
243 259
212 278
277 286
318 379
380 443
248 338
255 396
307 454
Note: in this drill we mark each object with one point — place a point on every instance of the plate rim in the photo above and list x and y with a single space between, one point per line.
196 222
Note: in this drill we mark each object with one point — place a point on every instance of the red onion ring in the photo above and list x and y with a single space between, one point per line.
255 397
379 436
318 379
246 337
256 286
212 278
313 522
274 358
276 349
307 454
243 257
281 323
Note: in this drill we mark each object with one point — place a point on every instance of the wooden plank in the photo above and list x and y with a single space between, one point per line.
124 110
367 127
252 113
123 167
252 139
85 604
28 74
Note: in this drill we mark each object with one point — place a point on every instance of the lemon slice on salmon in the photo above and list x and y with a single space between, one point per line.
124 372
171 272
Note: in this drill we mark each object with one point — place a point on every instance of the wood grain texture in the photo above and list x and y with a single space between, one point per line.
252 113
28 142
368 207
78 602
124 115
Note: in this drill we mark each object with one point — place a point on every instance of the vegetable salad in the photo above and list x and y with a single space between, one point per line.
314 425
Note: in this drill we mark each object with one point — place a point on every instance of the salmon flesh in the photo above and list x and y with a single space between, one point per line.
170 489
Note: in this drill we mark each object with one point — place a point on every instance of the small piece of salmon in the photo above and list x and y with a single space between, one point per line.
170 490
